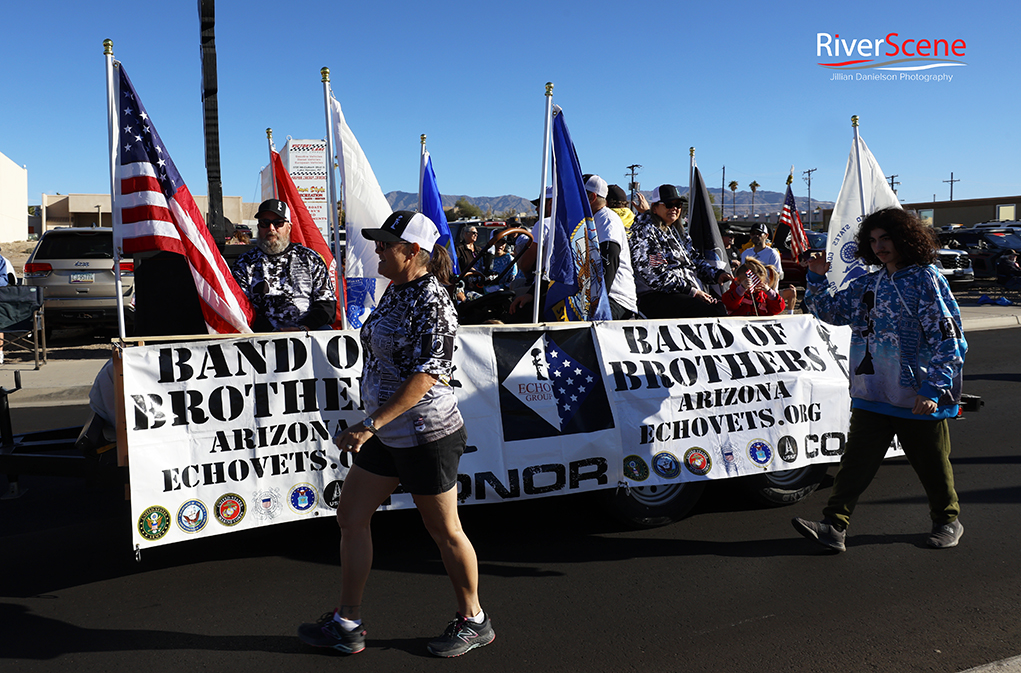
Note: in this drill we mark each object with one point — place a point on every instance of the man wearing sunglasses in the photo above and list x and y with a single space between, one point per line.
288 284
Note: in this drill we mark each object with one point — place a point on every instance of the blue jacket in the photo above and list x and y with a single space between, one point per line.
906 338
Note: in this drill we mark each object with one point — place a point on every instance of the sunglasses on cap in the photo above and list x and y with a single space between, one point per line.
266 224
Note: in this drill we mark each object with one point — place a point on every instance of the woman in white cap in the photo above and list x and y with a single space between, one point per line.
413 435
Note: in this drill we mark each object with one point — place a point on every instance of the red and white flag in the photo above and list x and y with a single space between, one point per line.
304 230
153 210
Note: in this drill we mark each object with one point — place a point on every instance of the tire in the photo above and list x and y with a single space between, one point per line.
654 505
776 489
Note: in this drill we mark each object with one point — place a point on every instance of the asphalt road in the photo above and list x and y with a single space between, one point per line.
732 588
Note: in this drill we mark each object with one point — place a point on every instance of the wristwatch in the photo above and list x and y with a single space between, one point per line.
369 424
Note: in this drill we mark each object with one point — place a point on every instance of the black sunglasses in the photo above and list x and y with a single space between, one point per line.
266 224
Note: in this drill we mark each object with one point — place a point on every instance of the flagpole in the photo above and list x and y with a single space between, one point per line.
333 217
542 199
113 128
269 141
691 176
857 157
421 173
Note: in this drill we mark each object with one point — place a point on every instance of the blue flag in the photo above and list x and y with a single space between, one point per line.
576 269
432 207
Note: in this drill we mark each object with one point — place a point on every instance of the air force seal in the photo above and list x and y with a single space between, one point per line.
760 453
302 498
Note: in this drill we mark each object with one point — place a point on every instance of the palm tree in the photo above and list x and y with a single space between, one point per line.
753 186
733 206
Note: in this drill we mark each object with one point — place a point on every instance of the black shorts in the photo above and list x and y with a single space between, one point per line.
428 469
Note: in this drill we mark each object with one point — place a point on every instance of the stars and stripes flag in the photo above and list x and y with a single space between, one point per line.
153 210
792 218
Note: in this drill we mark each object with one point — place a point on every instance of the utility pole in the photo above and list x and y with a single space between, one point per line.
723 194
808 179
632 185
951 181
894 183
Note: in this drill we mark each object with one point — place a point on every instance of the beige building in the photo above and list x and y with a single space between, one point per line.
962 211
88 210
13 200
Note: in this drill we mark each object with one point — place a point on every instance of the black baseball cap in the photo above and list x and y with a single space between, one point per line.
665 194
275 207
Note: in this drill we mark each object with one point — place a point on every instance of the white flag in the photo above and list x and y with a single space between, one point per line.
365 207
853 205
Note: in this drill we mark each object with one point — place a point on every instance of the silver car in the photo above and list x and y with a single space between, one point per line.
74 266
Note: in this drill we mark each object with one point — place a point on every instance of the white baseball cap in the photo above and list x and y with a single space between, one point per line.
404 225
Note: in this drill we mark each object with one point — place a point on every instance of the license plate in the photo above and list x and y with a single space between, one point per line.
83 277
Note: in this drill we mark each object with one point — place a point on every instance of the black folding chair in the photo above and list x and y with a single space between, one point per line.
22 321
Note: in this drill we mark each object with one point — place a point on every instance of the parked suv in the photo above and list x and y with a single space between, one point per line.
74 266
955 265
984 245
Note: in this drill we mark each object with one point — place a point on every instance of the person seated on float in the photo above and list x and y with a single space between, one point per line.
669 272
750 293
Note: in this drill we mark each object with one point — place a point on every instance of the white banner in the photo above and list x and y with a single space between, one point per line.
721 398
233 434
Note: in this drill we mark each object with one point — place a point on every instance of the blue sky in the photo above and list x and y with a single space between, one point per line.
639 82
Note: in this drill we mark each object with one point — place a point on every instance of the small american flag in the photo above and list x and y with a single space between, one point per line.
791 217
657 259
753 280
157 212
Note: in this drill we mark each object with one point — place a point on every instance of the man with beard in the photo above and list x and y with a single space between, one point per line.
288 284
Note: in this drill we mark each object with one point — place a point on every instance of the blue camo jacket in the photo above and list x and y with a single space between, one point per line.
906 338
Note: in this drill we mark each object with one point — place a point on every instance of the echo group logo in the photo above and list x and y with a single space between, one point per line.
894 57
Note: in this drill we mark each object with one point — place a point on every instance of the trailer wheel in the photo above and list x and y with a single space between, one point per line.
653 505
776 489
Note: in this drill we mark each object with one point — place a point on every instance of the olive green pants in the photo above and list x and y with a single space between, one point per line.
926 445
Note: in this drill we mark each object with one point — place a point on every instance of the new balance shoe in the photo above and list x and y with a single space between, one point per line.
327 632
822 532
946 535
462 636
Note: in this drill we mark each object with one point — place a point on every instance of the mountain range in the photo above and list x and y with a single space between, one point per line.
765 201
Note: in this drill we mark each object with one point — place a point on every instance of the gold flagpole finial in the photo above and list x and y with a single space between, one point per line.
423 139
269 133
854 120
790 179
549 88
325 72
108 47
691 151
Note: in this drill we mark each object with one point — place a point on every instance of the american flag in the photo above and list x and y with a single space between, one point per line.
753 280
157 212
791 217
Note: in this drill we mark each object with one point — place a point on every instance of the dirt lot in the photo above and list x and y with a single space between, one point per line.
17 252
